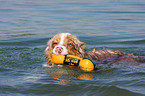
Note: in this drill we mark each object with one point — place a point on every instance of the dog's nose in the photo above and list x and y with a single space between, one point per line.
59 50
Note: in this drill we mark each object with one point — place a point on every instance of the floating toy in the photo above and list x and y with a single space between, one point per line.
84 64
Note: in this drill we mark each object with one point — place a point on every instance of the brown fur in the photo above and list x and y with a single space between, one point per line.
78 48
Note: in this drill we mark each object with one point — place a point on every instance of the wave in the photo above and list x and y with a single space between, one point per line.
33 41
134 42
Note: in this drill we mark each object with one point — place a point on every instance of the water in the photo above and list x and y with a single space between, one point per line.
26 26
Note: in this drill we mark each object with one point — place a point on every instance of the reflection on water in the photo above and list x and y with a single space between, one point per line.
61 75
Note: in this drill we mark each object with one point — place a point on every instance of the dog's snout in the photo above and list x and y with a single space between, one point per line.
59 50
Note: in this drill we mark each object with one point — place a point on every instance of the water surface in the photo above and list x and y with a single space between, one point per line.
27 25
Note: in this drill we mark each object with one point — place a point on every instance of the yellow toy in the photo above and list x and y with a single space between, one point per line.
84 64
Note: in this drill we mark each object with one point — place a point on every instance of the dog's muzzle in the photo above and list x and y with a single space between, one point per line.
60 50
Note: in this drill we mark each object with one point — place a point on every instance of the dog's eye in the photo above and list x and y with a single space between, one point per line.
55 43
70 44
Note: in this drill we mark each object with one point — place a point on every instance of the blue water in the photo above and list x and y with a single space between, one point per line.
27 25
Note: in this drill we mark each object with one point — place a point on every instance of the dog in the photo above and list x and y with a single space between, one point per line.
66 43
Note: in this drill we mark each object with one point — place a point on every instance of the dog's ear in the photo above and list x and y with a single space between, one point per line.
79 46
82 47
48 50
49 44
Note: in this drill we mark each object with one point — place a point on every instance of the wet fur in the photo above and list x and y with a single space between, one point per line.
78 49
105 56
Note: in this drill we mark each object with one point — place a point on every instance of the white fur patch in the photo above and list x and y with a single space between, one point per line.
62 37
61 43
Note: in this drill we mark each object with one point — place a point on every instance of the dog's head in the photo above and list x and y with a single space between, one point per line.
63 44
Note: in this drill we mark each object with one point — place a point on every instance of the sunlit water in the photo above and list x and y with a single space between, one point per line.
27 25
